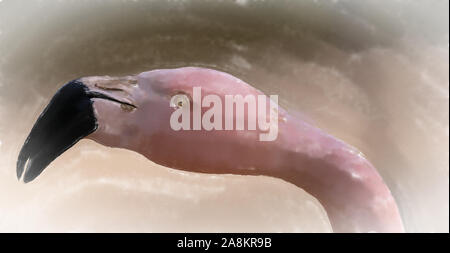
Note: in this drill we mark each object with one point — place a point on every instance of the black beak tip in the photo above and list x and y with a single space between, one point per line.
19 174
20 167
27 178
23 170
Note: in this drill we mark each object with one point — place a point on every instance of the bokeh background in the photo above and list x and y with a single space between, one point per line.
373 73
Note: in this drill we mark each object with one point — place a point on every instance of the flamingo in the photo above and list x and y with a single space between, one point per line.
133 112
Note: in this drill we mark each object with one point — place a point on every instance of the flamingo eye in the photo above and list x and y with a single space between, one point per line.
179 101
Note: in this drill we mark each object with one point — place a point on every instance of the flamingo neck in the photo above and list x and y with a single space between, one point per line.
344 182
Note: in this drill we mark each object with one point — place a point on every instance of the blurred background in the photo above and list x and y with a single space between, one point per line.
373 73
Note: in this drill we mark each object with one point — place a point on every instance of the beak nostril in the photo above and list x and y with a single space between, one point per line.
107 88
127 107
95 94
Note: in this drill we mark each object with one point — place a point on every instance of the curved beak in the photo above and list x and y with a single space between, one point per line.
68 118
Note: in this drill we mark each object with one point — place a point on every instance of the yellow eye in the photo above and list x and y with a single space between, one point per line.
179 101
